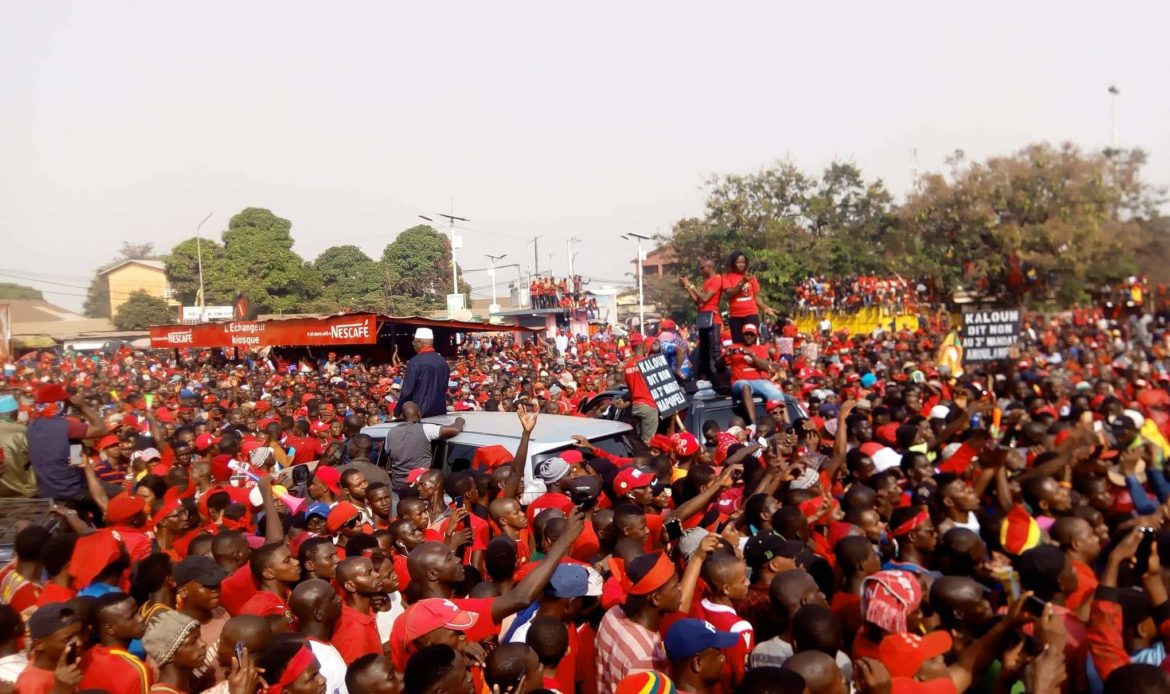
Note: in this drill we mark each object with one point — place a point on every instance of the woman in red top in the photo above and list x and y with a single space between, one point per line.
743 295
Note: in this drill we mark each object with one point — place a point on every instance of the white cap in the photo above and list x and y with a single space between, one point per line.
939 412
885 459
424 334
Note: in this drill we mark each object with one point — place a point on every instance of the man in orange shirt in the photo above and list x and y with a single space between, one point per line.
1076 537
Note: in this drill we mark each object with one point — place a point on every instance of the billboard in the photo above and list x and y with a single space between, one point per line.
202 314
358 329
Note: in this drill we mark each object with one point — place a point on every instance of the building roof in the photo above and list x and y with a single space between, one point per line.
37 311
154 264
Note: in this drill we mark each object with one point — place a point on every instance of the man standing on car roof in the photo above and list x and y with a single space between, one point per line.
642 406
427 376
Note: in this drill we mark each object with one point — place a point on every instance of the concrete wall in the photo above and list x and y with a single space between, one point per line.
132 277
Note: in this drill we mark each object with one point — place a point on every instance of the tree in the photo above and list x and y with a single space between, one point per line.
97 298
256 258
351 281
418 264
137 251
11 290
141 310
792 225
1043 224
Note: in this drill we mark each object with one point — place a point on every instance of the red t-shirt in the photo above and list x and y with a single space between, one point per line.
740 370
51 592
726 619
308 448
34 680
264 603
480 536
713 284
639 391
114 670
236 589
355 635
743 303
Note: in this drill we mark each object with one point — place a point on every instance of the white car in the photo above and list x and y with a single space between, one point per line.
552 435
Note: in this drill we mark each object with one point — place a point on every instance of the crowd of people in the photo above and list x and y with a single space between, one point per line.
849 294
226 526
566 293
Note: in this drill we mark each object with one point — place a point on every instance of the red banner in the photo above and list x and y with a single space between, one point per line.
358 329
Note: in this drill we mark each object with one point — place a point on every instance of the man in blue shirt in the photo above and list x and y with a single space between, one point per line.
427 374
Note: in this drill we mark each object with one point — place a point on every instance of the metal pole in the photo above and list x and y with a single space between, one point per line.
1114 93
199 254
454 265
641 300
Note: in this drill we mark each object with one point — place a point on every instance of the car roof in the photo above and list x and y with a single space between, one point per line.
550 428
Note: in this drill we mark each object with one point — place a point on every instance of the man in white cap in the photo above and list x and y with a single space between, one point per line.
426 379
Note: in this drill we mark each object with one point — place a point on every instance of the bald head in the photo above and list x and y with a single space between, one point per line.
820 672
251 631
791 589
424 559
308 597
958 601
410 412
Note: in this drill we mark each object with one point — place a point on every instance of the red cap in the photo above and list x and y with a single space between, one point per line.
339 515
319 426
887 433
636 338
772 404
491 457
413 476
870 448
750 328
433 613
330 477
667 324
572 456
106 442
685 444
220 470
661 442
631 478
93 553
51 392
204 442
904 654
124 507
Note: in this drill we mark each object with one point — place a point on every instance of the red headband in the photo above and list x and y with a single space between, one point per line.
297 665
906 528
662 572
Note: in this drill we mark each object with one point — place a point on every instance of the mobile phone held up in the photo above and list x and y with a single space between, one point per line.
674 530
1141 558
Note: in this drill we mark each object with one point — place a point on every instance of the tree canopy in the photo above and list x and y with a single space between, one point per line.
141 310
1040 226
12 290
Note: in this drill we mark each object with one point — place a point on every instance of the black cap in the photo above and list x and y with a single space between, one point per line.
765 546
200 569
49 619
584 489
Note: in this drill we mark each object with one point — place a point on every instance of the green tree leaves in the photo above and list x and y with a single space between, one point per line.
141 310
255 256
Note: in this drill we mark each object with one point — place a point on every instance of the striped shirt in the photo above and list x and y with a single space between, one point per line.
624 647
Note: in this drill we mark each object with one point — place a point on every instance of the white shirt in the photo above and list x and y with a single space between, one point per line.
385 620
11 666
332 666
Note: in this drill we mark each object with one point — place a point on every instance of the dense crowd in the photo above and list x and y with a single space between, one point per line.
224 525
850 294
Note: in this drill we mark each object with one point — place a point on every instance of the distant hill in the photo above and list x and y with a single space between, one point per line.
11 290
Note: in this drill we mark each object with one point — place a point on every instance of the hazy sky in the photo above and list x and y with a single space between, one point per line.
131 121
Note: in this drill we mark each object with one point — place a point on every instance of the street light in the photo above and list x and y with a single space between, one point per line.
641 301
492 271
199 254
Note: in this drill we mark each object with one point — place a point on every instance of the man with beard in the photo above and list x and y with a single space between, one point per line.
356 634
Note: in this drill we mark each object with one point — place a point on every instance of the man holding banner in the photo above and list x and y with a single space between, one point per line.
642 404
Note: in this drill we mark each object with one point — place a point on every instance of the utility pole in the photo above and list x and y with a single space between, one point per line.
451 219
569 253
199 253
1114 92
641 297
536 255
